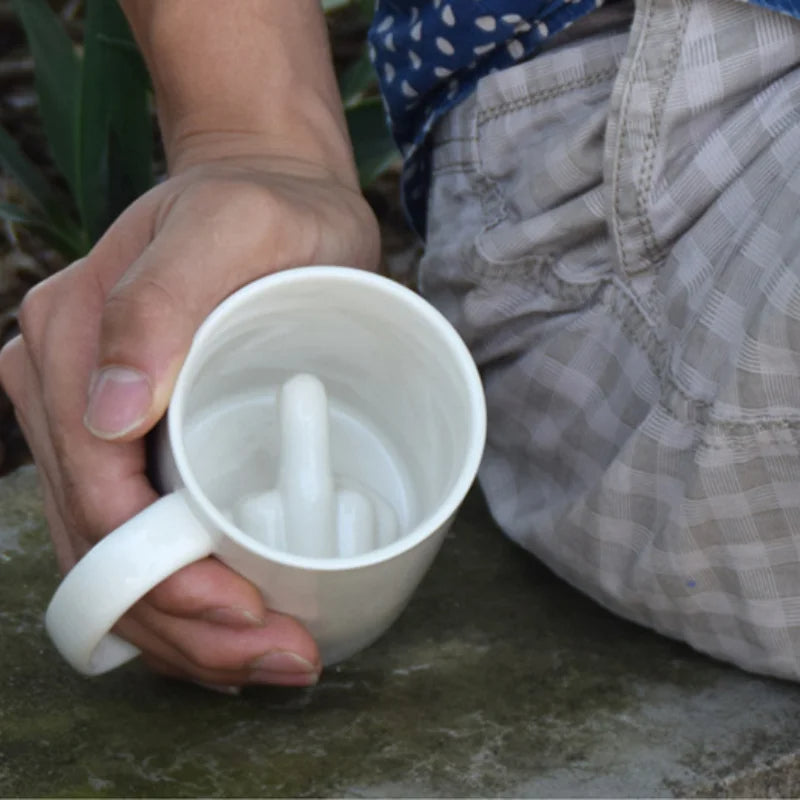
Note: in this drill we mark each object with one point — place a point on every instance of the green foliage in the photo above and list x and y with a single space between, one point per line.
374 147
115 133
93 104
94 107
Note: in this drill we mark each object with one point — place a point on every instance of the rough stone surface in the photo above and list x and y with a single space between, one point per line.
499 680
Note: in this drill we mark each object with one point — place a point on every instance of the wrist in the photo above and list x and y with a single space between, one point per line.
306 137
254 79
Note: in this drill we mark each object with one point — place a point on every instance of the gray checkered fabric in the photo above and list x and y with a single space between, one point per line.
614 230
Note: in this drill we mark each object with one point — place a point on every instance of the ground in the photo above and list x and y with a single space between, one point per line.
498 680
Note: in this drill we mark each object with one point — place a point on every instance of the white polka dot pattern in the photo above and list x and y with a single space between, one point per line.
429 54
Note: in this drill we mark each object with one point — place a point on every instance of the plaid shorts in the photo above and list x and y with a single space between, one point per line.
614 230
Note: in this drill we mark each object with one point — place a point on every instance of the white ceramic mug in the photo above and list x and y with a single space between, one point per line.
324 429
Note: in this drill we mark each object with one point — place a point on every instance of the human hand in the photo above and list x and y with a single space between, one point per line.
116 327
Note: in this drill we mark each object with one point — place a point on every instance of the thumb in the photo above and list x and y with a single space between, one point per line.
145 333
148 320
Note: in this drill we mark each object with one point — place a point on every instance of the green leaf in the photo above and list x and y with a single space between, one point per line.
27 175
115 130
14 213
126 43
374 147
367 8
65 240
357 80
48 204
57 72
334 5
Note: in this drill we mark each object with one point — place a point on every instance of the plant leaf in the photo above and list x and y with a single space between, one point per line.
375 150
66 240
115 130
27 175
52 211
357 80
334 5
57 73
367 8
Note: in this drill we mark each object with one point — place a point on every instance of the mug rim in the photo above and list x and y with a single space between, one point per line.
426 526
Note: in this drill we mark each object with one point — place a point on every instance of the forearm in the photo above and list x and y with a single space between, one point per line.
243 77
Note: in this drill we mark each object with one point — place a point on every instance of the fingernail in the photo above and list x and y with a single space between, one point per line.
232 691
119 399
233 617
281 666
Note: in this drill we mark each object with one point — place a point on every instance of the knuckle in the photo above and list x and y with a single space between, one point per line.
89 505
208 659
34 310
80 507
11 366
136 304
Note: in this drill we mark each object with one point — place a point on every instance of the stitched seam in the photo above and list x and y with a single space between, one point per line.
615 296
495 210
757 425
653 250
450 139
454 166
493 272
493 200
469 156
493 112
626 308
622 137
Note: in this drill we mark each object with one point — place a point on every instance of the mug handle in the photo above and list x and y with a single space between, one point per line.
117 572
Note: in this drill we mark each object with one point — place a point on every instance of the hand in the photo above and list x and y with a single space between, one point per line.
115 327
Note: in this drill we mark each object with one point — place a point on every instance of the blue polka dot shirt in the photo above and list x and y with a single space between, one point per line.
429 54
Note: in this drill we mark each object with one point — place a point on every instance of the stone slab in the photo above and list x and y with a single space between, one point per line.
499 680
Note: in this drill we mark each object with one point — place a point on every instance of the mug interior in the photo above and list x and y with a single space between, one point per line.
406 411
